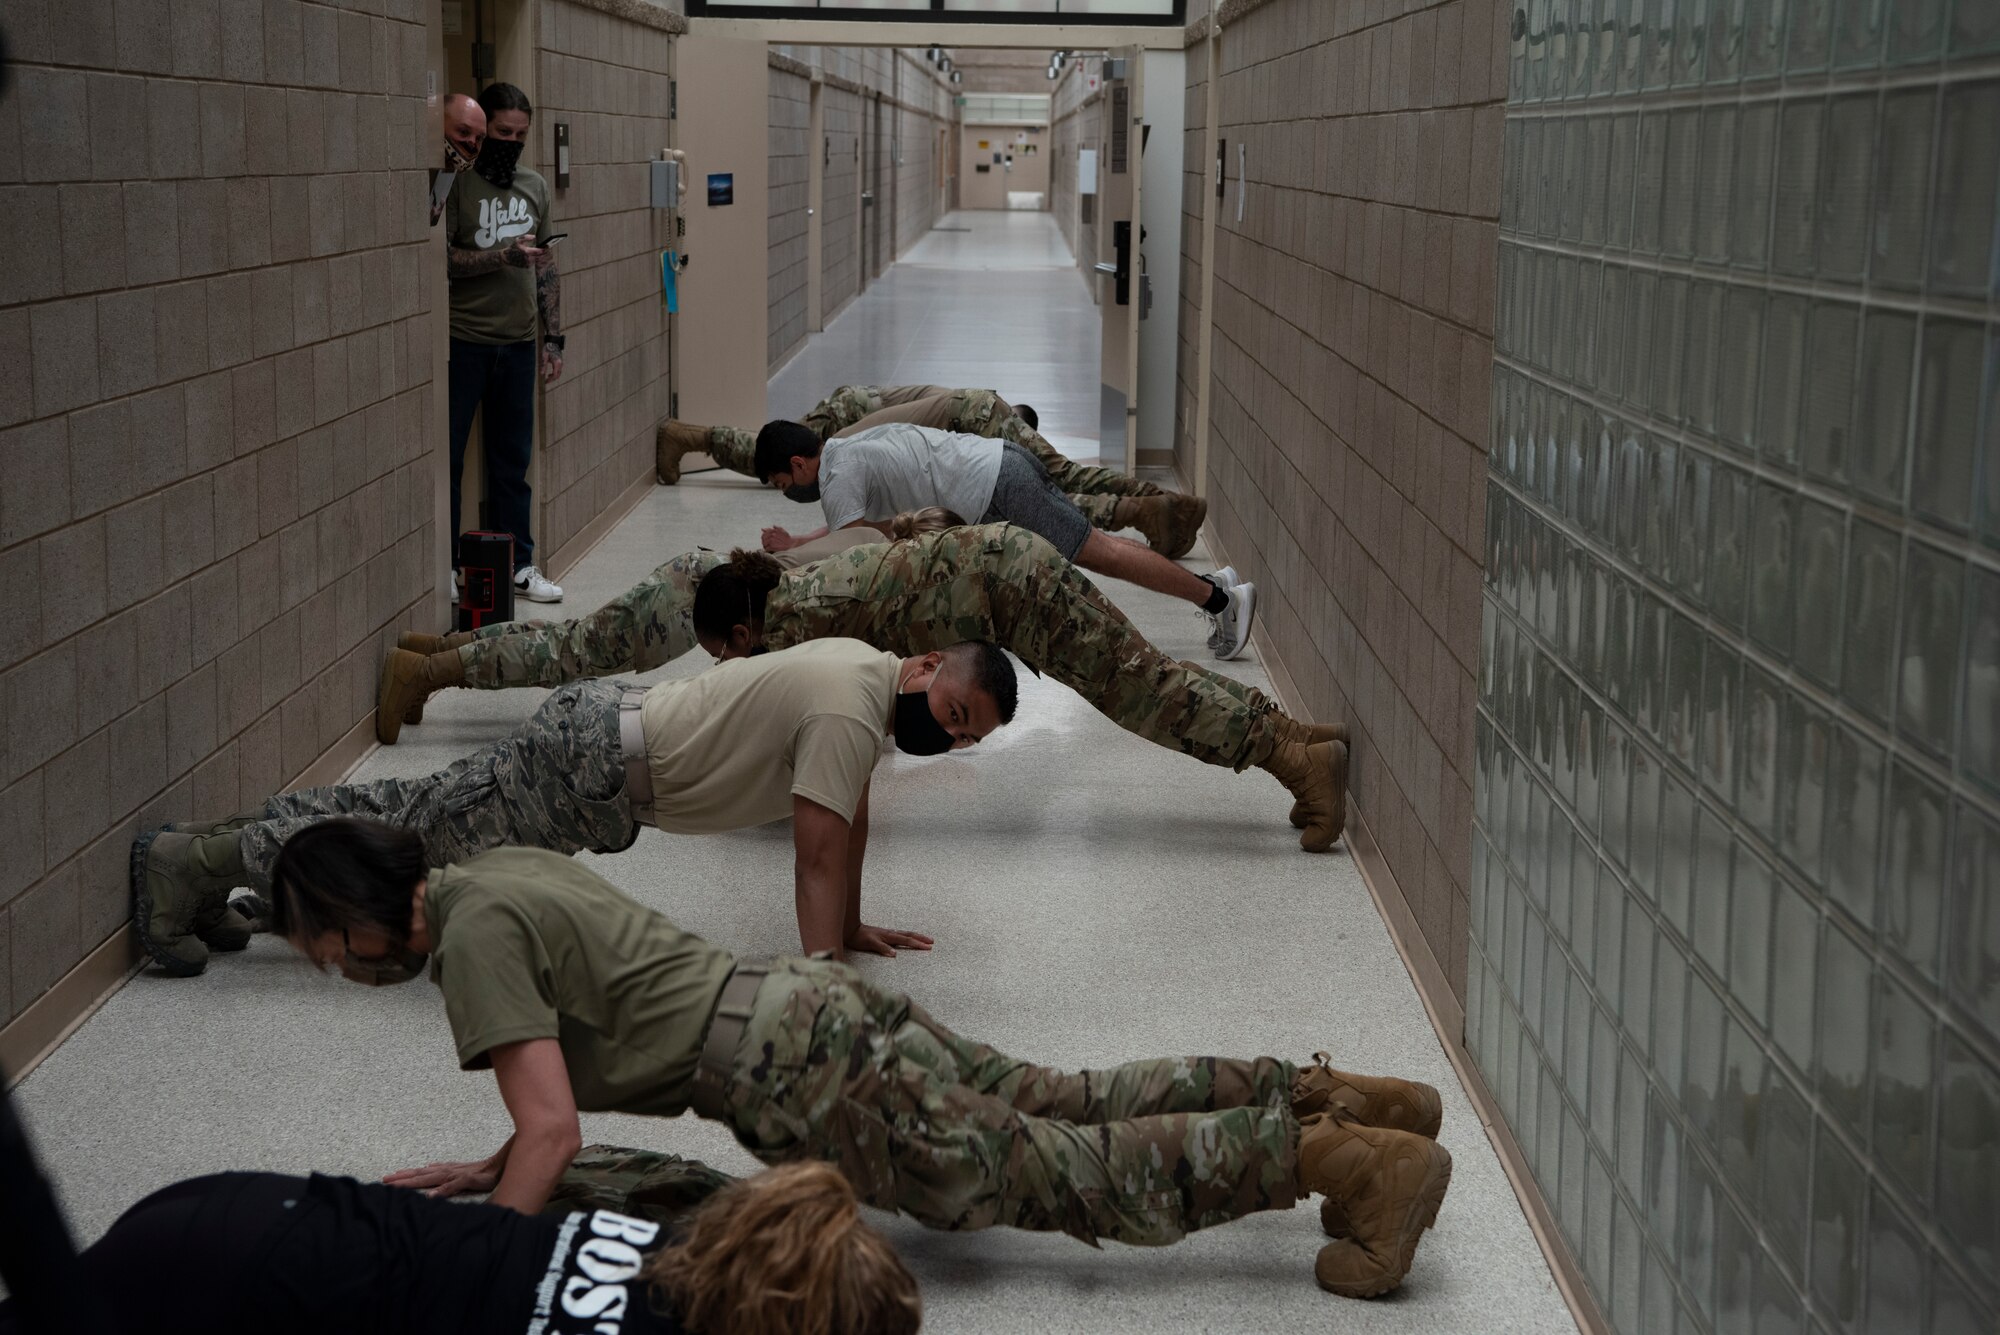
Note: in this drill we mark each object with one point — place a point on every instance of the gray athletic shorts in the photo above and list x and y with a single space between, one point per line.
1024 494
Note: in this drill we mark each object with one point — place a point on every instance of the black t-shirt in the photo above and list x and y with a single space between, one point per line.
260 1252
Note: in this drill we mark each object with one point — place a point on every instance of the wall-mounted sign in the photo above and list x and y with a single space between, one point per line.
721 189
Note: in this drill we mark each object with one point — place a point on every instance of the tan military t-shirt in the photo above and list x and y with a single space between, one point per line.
729 748
530 944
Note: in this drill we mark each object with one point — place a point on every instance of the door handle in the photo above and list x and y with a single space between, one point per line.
1109 270
809 213
867 197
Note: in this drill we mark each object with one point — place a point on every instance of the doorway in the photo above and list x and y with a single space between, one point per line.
485 41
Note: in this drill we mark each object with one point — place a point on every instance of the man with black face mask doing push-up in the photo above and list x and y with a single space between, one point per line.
750 741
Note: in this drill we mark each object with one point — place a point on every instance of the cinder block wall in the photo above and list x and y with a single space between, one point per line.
1353 318
1073 116
1197 196
916 103
215 472
790 130
840 233
604 75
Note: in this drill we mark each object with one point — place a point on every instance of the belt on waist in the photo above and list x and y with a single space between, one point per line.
632 750
725 1034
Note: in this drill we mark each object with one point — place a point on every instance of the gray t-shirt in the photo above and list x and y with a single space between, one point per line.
879 473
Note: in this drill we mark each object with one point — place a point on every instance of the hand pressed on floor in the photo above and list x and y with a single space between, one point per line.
448 1179
886 940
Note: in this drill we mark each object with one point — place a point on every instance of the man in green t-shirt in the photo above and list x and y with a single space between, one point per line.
502 285
751 741
581 1000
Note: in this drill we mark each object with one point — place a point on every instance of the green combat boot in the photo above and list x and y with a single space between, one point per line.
1372 1100
670 442
180 897
1387 1187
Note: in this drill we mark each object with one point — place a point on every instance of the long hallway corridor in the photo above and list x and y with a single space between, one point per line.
1094 899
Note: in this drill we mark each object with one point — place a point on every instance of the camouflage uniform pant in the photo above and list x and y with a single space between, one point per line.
979 412
1002 583
646 1184
959 1136
556 782
649 624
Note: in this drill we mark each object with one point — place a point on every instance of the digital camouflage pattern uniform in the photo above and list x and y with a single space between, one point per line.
978 412
995 582
959 1136
555 782
646 1184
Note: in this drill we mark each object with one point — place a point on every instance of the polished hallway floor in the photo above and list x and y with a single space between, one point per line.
1095 899
997 305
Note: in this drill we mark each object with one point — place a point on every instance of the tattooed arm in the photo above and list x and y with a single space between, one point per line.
463 262
548 295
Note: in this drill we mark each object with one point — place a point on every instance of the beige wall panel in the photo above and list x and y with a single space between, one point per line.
723 346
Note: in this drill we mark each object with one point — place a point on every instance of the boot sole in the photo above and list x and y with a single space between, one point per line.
1177 550
388 722
142 911
1338 766
1430 1199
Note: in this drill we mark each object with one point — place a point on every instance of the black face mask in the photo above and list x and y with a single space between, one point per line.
918 733
802 491
497 159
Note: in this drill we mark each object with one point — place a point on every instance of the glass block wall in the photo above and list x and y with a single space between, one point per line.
1735 919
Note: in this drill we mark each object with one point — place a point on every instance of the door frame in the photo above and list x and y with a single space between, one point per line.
816 165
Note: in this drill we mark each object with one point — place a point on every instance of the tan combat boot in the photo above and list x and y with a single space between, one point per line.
1387 1187
418 643
1291 729
180 897
1316 773
407 681
1170 521
1372 1100
670 442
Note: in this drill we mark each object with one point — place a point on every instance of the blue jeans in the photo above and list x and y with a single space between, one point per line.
501 378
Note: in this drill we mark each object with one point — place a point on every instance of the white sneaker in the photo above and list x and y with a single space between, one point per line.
531 584
1223 578
1231 635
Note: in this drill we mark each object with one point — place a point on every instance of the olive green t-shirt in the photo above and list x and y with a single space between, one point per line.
729 748
497 307
530 944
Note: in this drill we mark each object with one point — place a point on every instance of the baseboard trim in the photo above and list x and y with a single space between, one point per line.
1447 1015
585 539
28 1039
59 1012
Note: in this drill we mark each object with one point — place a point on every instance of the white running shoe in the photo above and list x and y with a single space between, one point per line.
1224 578
1232 624
531 584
